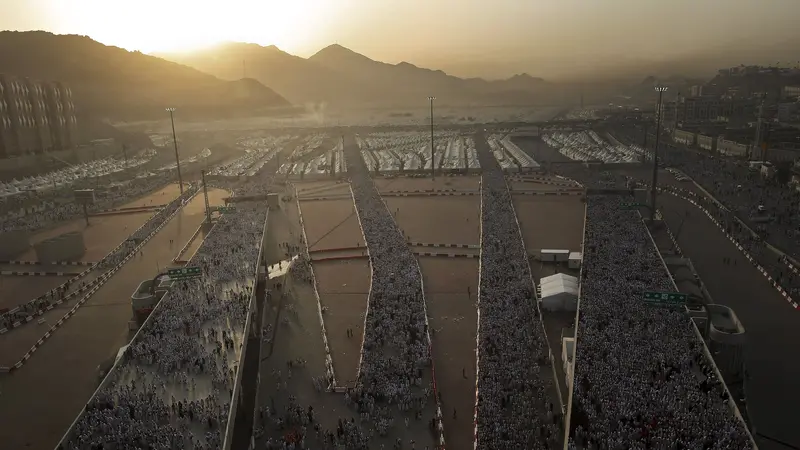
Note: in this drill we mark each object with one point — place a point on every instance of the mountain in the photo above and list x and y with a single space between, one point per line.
339 76
112 82
295 78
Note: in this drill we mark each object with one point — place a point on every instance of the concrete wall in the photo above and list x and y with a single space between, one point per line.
66 247
13 243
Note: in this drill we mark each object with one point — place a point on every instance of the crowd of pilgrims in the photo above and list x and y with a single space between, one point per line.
52 206
79 283
641 377
173 387
394 371
515 402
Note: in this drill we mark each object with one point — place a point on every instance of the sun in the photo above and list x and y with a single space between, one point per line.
181 25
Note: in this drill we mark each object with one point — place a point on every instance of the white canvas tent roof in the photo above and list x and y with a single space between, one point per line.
559 292
558 284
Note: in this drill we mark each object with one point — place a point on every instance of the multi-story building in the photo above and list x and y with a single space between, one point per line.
790 92
789 112
35 117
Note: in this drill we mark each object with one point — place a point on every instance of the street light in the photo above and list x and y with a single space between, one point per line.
175 142
433 163
660 90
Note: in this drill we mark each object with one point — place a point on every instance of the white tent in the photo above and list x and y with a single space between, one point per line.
559 292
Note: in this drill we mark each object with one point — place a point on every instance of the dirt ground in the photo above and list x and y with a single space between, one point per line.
451 287
550 222
331 224
105 232
438 220
343 291
65 367
463 183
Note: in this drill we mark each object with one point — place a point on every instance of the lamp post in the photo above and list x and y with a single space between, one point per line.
660 90
175 142
433 162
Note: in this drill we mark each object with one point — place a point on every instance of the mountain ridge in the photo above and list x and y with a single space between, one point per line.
113 82
338 75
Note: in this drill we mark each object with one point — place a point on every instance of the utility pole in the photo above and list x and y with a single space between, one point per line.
644 152
433 160
205 194
175 142
757 140
660 90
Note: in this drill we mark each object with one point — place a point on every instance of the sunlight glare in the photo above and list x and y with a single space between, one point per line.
180 25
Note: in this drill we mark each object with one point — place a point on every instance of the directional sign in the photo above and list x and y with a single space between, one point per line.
629 205
665 298
183 273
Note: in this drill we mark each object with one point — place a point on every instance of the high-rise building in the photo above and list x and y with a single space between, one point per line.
35 117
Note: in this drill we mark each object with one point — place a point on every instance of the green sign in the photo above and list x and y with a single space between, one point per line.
183 273
628 205
665 298
226 209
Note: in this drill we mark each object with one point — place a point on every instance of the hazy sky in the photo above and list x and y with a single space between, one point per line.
453 34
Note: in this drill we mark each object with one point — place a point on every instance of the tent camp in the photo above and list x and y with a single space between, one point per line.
559 292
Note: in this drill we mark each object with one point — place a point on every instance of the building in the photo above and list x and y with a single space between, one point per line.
697 90
790 92
685 137
35 117
708 143
732 148
789 112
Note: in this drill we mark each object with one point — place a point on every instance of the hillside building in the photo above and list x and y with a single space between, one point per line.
35 117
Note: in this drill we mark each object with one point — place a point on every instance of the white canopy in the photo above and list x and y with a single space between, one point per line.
559 292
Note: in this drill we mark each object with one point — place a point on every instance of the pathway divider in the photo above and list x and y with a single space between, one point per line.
177 259
53 263
98 283
38 274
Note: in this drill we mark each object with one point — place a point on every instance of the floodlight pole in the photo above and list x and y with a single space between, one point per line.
433 162
205 193
175 142
660 90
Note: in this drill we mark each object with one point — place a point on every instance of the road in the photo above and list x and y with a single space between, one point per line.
770 322
40 401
